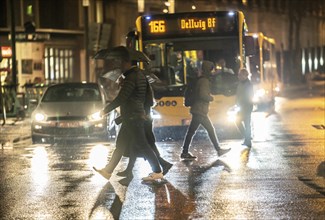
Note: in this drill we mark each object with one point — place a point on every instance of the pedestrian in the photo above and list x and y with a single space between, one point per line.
244 99
194 66
199 110
224 80
222 67
130 99
151 140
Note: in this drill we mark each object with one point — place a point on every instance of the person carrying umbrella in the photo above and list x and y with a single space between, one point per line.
130 99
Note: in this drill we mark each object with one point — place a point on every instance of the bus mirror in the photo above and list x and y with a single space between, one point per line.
266 55
131 40
249 46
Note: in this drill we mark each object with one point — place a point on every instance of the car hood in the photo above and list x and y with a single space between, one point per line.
69 109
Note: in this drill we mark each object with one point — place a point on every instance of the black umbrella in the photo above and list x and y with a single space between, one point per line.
122 52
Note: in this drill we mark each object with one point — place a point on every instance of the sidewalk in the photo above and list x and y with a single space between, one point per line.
14 131
311 88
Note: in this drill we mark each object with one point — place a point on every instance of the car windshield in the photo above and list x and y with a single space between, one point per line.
72 93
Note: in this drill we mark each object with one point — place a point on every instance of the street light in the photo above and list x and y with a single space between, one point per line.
140 6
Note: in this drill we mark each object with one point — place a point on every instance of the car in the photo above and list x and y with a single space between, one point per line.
71 111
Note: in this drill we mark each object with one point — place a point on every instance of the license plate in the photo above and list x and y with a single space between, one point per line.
70 124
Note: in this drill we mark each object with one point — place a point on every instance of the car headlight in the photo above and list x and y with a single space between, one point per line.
95 116
39 117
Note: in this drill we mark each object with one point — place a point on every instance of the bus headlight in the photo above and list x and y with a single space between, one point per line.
232 113
154 114
259 95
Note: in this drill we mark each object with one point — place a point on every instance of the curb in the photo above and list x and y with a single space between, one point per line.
16 140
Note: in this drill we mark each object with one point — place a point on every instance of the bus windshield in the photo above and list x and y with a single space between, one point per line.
176 63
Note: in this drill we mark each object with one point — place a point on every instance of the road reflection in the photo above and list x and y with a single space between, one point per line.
108 204
39 170
170 203
98 156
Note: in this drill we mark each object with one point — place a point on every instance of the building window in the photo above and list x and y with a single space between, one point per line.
58 64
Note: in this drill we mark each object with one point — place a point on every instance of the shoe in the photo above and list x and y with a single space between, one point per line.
125 181
222 151
188 156
103 172
166 167
153 176
124 173
247 143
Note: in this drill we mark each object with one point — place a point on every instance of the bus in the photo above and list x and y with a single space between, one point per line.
175 43
263 69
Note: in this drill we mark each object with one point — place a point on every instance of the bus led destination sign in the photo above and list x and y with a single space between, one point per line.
202 24
188 25
160 26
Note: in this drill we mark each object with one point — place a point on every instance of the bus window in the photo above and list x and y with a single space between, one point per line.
264 71
173 72
266 55
177 65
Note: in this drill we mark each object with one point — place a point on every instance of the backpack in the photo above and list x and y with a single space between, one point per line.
189 93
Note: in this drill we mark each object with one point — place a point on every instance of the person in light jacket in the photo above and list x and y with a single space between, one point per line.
244 99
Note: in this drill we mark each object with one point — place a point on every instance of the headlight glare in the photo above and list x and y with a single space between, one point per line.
40 117
95 116
260 93
232 113
154 114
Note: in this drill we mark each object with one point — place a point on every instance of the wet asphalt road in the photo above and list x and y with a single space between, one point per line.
281 177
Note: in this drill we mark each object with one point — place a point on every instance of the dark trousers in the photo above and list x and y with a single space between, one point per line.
132 135
244 125
152 142
196 121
